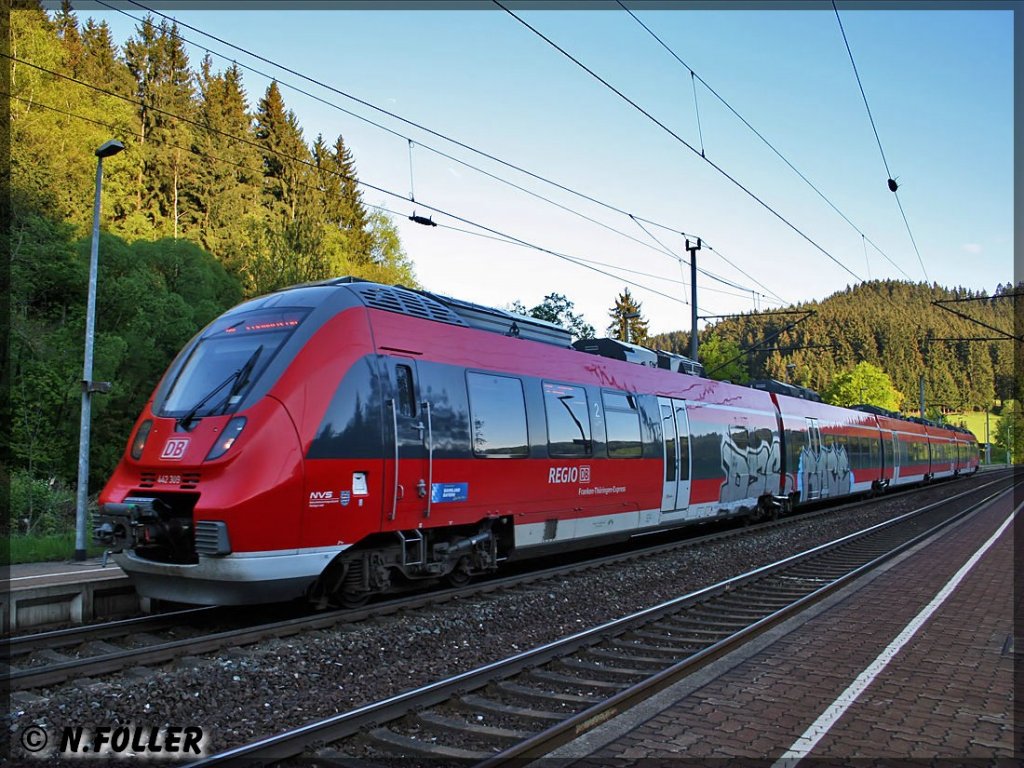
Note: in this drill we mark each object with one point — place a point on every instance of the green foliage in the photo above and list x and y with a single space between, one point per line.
723 360
866 384
627 321
1008 439
152 297
209 203
40 507
557 309
45 548
895 326
198 163
673 341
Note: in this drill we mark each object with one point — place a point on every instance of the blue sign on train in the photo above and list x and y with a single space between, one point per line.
442 492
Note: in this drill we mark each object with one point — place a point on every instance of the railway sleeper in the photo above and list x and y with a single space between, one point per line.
604 653
692 634
483 704
529 693
509 735
406 746
667 651
612 670
582 682
339 759
671 641
710 621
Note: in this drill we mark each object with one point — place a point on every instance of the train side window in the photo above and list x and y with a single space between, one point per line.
622 422
406 396
498 415
568 420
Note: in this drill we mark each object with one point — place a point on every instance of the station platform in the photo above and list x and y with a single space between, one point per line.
913 663
68 591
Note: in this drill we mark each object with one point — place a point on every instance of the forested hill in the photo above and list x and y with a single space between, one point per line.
203 160
217 196
893 325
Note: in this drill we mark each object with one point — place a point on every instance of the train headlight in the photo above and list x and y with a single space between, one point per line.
140 439
227 438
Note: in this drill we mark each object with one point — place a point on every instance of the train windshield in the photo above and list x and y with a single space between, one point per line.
227 361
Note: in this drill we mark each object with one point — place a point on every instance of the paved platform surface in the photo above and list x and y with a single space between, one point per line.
948 693
31 575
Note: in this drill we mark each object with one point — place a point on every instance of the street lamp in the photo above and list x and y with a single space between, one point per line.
109 149
626 318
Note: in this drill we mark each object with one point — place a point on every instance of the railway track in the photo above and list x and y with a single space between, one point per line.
51 658
522 707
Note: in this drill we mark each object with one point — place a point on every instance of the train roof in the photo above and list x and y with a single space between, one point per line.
446 309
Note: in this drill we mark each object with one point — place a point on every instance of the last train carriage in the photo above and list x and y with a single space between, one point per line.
340 439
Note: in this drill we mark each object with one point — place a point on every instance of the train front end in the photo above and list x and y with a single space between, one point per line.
205 505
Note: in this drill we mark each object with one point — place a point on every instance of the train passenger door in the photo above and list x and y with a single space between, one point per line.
408 486
811 461
676 453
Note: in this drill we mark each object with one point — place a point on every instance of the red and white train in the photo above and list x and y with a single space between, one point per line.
334 440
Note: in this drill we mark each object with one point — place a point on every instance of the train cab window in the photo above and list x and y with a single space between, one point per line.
568 420
406 396
622 422
498 414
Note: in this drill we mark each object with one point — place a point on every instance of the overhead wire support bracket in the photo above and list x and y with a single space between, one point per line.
940 302
789 326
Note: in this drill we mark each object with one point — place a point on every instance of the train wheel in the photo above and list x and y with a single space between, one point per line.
459 576
354 599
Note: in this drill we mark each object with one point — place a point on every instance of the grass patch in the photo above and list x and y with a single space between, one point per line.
44 549
975 422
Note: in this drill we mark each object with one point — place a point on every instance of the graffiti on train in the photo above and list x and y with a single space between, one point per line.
751 470
823 474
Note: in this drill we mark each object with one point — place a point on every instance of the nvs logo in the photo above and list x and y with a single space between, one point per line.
320 498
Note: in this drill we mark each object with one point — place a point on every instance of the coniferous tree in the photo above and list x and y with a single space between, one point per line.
286 158
225 189
165 90
627 322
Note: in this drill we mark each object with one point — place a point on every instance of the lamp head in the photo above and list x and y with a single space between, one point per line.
109 149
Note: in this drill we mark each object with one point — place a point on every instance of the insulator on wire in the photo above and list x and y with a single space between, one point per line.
424 220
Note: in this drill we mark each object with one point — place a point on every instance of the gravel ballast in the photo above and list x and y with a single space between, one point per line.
240 695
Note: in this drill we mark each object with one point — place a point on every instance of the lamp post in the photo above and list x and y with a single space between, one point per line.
109 149
626 317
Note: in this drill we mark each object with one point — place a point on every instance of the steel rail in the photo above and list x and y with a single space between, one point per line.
52 674
293 742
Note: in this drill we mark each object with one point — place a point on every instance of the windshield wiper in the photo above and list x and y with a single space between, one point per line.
240 377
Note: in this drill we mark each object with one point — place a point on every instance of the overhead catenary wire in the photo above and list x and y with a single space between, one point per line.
680 139
418 126
891 182
382 190
316 188
694 77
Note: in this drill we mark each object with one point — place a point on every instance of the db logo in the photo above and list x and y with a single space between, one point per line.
174 449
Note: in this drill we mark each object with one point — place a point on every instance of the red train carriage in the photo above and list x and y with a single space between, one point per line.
967 452
830 452
330 440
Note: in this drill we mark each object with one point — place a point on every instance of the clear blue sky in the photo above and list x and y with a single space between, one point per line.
939 83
